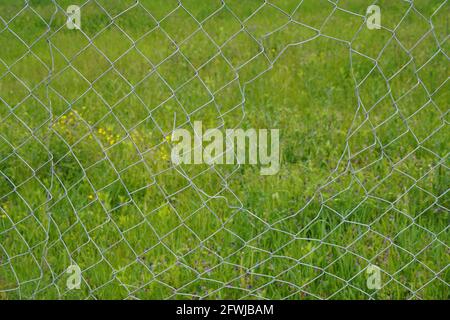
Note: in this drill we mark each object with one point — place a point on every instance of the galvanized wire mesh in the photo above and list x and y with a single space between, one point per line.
87 180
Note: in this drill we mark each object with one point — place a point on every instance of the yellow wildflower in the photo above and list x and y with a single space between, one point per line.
164 156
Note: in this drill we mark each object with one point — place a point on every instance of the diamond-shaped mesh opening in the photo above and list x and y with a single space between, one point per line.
222 25
135 22
231 49
82 63
28 25
267 20
87 179
179 25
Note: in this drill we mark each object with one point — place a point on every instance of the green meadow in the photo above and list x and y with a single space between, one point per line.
86 177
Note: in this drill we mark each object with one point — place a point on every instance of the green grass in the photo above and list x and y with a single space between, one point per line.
85 175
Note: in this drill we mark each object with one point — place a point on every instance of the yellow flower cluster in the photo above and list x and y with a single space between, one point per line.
66 120
164 156
66 126
108 135
5 208
164 153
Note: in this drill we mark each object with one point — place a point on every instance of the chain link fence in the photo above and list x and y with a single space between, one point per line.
91 91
